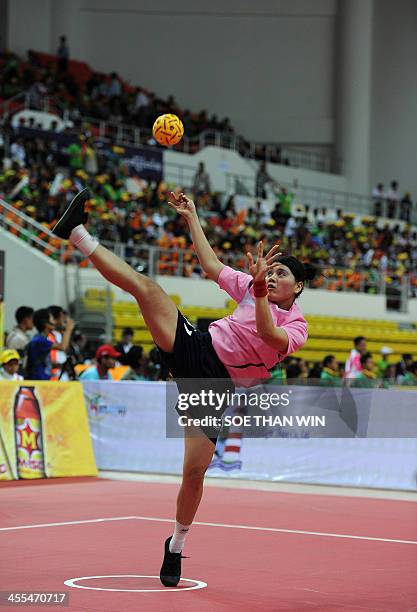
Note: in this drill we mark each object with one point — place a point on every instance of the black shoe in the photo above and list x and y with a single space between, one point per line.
171 567
73 216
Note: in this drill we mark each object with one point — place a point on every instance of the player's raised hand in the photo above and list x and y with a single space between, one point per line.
259 268
182 204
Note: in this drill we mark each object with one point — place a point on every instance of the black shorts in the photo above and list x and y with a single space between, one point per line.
195 366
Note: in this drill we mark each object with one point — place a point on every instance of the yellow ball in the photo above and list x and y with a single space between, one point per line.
168 130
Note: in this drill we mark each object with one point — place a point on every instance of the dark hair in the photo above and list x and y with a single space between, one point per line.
127 330
365 358
134 356
327 360
358 339
293 371
302 272
22 312
407 356
56 311
413 367
41 319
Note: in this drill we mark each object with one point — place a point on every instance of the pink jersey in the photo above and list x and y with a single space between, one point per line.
235 340
353 366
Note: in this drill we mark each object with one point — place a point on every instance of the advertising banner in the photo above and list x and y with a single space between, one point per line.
143 161
129 427
44 431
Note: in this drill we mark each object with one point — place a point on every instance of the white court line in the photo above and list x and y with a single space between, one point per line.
249 527
98 520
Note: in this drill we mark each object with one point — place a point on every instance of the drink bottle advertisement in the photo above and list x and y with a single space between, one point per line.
44 431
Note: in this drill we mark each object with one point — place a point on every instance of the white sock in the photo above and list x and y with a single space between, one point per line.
84 241
177 541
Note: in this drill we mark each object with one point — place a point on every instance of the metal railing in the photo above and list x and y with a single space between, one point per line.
314 197
28 229
153 261
131 134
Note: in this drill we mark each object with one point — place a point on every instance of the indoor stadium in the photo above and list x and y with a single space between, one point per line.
208 305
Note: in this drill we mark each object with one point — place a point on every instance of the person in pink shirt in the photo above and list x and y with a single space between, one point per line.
353 366
266 326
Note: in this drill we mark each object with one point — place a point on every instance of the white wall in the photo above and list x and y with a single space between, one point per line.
220 162
32 279
394 94
29 26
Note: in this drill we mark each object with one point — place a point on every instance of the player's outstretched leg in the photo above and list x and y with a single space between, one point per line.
198 454
158 310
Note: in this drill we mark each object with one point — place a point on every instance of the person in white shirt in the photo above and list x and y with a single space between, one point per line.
353 365
9 365
378 197
19 337
18 153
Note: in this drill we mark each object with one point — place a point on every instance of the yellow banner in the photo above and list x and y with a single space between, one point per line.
44 431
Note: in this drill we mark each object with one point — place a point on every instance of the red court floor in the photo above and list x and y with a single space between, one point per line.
254 550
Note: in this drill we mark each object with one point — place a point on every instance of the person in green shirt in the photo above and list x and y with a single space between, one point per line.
330 375
410 377
367 378
75 154
382 364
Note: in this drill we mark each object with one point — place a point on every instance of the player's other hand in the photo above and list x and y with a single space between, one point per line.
259 268
182 204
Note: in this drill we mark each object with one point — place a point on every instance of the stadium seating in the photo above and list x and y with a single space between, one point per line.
327 334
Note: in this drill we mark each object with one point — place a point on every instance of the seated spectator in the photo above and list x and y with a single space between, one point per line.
39 363
389 377
353 365
59 359
9 365
403 367
106 356
330 375
136 361
410 377
19 337
367 377
382 364
293 373
77 348
125 344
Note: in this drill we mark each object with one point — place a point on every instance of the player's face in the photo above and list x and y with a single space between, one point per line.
282 284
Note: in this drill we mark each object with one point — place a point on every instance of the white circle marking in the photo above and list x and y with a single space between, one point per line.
198 584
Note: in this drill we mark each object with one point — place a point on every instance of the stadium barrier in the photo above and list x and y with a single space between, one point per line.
44 431
129 424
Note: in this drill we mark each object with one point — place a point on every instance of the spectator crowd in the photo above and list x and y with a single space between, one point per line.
46 345
353 252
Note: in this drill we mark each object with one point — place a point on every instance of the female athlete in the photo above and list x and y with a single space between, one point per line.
266 327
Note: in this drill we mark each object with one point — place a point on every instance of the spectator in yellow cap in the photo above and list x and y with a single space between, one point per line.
9 362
